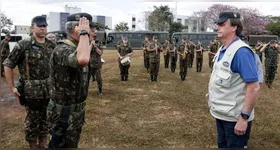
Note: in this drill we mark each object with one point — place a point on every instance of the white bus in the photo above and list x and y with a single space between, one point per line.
14 39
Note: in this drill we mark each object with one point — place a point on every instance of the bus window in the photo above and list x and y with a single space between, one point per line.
193 37
139 36
130 36
201 37
210 37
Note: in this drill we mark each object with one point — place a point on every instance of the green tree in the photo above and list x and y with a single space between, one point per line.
160 18
101 26
274 28
176 27
122 26
6 23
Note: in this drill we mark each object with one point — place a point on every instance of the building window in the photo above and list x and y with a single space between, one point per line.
133 19
179 20
133 26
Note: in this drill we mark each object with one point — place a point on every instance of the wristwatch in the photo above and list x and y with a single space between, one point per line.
84 32
245 116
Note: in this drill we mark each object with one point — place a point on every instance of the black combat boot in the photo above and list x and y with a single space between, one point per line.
99 91
152 78
155 78
93 79
125 78
122 78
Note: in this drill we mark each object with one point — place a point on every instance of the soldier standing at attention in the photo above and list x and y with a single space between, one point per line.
154 58
271 56
95 63
32 57
213 50
199 56
145 53
183 59
166 54
4 51
69 74
258 47
191 47
124 51
173 55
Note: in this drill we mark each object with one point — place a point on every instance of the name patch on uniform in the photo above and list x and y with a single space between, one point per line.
225 63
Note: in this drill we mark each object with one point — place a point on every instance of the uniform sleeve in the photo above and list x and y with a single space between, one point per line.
67 57
14 57
130 49
244 63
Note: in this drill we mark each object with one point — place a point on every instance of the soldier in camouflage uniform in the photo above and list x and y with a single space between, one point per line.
271 55
199 56
70 75
191 47
166 54
154 56
124 50
183 59
258 47
4 51
173 55
213 50
145 53
32 57
95 63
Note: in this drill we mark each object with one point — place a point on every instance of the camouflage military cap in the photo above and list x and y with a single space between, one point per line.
39 21
77 16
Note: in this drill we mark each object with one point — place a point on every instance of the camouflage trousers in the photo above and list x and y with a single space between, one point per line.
154 66
35 124
96 72
65 125
190 58
211 63
270 74
124 70
173 63
166 60
199 62
146 61
2 66
183 66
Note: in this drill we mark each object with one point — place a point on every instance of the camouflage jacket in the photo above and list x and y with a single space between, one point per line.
164 46
95 58
214 48
191 48
124 50
152 54
199 54
69 80
271 56
32 59
181 49
4 48
172 46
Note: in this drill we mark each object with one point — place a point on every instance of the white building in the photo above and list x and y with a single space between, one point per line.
72 10
21 29
104 20
194 25
56 21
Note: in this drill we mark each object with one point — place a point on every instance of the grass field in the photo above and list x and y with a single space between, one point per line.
143 114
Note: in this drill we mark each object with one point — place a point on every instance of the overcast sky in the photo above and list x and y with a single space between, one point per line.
22 11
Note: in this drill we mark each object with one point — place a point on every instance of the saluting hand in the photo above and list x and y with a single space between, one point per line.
83 25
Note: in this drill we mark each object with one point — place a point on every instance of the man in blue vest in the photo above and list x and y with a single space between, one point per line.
233 86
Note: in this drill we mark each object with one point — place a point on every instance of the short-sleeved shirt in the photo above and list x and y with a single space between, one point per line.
243 63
